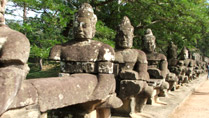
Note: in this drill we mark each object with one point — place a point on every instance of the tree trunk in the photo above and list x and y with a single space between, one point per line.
41 63
24 12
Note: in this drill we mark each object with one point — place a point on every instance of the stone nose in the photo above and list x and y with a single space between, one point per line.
80 29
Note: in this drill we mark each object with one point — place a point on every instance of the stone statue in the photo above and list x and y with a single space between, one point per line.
172 51
157 64
199 67
90 88
83 55
171 78
13 61
132 71
186 66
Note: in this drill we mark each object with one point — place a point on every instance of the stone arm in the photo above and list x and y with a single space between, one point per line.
55 52
106 58
106 80
164 68
14 53
142 65
10 80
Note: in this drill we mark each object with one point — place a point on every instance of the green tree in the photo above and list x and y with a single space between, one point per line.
185 22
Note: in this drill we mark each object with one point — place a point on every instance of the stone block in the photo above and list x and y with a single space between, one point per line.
25 112
130 88
129 75
155 73
105 67
64 91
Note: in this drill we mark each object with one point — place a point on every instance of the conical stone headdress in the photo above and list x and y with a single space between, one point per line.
149 35
125 25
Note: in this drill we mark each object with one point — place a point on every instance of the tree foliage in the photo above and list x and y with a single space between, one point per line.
185 22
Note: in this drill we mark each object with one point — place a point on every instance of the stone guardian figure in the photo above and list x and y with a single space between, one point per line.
186 66
171 78
84 55
132 73
157 66
13 61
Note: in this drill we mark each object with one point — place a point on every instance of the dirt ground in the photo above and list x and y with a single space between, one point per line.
196 106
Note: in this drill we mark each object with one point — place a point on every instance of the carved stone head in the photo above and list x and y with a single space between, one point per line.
125 34
2 11
85 23
149 41
184 54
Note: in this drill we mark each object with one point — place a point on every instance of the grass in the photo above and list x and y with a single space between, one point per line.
50 69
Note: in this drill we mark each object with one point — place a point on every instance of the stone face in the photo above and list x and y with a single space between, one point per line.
125 29
149 42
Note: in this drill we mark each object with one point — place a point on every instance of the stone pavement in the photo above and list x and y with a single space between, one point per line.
196 106
176 99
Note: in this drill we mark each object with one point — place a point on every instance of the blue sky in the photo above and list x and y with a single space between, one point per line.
18 12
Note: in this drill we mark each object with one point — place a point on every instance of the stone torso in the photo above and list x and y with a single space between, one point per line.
154 60
84 57
157 65
126 58
81 52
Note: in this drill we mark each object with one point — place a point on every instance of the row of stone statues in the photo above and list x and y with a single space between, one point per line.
94 77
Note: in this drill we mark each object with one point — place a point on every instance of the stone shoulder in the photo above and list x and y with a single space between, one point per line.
106 52
55 52
156 56
142 57
15 46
